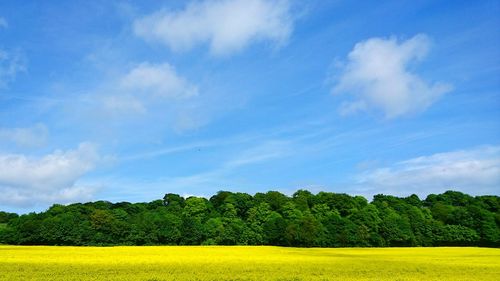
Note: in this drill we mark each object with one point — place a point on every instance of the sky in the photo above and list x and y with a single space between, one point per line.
129 100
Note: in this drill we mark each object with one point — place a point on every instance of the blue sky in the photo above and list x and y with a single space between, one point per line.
126 101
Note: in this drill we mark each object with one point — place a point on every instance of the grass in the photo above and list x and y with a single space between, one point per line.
246 263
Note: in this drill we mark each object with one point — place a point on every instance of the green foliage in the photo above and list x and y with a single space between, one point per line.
305 220
6 217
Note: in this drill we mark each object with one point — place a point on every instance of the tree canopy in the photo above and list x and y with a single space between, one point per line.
232 218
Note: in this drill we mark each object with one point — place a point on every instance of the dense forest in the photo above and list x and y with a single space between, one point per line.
304 219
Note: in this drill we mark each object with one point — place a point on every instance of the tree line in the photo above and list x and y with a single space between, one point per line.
324 219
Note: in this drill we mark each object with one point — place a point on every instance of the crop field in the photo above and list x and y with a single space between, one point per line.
246 263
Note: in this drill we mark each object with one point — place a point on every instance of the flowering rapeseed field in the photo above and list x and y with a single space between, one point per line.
246 263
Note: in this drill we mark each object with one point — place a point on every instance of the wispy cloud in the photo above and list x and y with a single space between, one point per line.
261 153
3 23
226 25
36 135
144 96
148 84
475 171
264 152
224 176
376 74
11 63
29 181
160 80
276 138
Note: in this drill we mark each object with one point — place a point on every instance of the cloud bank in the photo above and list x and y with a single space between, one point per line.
377 76
474 171
227 26
27 181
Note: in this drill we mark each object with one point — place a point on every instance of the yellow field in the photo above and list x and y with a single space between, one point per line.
247 263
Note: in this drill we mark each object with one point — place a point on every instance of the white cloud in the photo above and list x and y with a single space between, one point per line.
226 25
25 137
125 104
377 75
3 23
10 65
475 171
160 80
147 98
48 179
143 87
